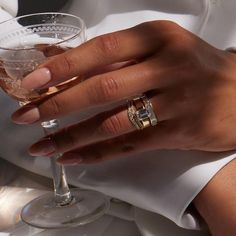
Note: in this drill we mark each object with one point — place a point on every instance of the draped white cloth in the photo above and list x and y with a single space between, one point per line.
156 183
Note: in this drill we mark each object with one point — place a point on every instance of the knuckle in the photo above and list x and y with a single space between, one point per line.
163 29
105 90
109 88
171 33
111 127
160 25
167 25
107 44
67 64
167 28
54 106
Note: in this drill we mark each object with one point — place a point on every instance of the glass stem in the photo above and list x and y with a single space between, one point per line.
61 188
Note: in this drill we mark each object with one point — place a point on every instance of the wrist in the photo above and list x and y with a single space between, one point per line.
216 203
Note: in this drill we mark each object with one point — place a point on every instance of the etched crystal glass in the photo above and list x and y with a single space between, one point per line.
25 43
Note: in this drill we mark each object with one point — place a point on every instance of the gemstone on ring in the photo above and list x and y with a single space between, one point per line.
140 112
143 113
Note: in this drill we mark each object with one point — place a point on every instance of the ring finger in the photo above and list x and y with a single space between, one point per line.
102 127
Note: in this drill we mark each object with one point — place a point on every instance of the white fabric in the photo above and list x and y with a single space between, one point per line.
162 182
102 16
10 8
220 29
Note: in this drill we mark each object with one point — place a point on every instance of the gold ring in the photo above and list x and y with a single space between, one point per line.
140 112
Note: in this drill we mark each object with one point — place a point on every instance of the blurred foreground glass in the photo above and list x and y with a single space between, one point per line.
26 42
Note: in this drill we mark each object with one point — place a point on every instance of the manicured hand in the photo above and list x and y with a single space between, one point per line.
192 87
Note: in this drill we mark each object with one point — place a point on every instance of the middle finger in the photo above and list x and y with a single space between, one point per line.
98 91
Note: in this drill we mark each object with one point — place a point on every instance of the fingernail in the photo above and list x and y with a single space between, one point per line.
26 115
70 159
36 79
44 147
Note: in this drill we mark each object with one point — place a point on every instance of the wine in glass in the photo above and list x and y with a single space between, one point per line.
25 43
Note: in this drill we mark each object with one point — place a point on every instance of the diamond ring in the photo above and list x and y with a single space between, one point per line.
140 112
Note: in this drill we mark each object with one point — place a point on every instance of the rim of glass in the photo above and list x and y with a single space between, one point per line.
83 27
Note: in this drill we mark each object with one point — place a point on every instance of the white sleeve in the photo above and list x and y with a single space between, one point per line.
8 9
163 182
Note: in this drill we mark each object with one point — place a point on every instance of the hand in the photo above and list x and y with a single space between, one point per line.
190 84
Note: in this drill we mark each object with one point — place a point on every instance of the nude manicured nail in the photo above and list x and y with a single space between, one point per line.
70 159
44 147
26 115
36 79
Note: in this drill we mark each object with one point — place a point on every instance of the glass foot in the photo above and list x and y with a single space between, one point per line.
44 212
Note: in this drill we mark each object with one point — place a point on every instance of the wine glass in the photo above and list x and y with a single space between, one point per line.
26 42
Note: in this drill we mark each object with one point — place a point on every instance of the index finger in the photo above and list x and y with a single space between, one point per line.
133 43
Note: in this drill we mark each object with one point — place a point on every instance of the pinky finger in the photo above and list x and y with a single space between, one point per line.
122 146
98 152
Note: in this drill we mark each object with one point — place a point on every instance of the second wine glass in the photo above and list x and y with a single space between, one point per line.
25 43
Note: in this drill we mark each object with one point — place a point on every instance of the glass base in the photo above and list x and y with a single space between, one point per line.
44 212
